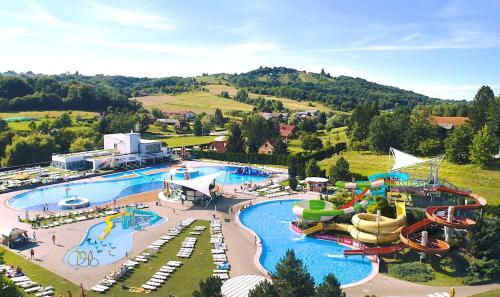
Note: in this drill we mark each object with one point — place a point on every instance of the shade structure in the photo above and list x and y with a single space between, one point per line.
239 286
402 159
200 184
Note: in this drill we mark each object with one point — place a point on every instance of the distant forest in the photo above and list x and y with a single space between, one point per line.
29 91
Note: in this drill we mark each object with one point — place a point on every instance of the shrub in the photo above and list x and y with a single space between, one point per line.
414 272
482 271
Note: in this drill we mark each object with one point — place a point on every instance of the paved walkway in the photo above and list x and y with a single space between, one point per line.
241 245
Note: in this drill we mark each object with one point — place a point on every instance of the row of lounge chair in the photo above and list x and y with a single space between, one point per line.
187 247
219 251
161 276
29 286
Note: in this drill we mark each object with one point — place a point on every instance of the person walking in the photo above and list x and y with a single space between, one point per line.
32 254
34 237
53 238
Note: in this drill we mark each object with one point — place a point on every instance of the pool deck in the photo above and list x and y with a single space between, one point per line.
241 244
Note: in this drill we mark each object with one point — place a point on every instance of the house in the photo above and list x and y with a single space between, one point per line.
287 131
267 148
151 118
186 115
168 122
448 122
218 146
308 113
279 116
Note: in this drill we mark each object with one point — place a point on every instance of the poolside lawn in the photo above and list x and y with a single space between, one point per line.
185 279
39 274
494 293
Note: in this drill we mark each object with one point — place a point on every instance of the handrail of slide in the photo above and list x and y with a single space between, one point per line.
435 246
109 225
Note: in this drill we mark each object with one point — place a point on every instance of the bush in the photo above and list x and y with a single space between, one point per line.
482 271
414 272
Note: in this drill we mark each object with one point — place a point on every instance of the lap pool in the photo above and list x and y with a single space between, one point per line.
271 222
100 192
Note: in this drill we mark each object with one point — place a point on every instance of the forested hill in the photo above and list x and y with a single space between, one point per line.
342 92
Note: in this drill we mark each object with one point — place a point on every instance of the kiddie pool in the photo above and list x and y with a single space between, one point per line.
108 189
271 222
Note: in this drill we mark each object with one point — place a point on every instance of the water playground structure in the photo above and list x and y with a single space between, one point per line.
248 170
72 202
130 218
447 207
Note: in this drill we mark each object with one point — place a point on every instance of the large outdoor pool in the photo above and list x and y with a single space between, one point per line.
93 252
271 222
100 192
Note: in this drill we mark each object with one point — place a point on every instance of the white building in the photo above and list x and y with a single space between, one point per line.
120 150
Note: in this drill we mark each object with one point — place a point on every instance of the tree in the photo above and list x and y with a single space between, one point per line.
197 127
292 182
211 287
291 278
207 121
457 144
330 288
292 166
4 126
32 126
280 147
311 143
478 114
82 144
483 147
219 118
8 288
339 171
257 130
430 147
494 118
235 140
156 112
224 94
241 95
28 150
312 168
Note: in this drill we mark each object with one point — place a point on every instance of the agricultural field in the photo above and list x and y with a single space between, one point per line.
480 181
291 104
48 115
195 101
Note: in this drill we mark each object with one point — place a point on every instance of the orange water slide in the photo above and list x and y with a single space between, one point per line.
356 199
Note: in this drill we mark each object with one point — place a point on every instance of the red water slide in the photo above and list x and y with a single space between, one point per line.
410 236
356 199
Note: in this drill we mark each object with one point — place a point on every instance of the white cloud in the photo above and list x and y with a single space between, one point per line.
6 33
129 17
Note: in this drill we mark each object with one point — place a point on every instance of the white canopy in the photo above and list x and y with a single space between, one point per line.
200 184
402 159
240 285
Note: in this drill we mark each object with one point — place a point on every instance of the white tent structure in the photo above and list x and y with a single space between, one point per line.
241 285
200 184
404 160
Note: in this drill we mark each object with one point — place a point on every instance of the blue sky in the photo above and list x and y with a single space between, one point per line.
446 49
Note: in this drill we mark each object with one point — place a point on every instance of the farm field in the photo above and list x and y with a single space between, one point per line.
288 103
50 115
195 101
480 181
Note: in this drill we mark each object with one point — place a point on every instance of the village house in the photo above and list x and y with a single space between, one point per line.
287 131
278 116
448 122
185 115
267 148
218 146
308 113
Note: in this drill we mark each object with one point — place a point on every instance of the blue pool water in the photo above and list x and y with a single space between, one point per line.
116 245
100 192
271 222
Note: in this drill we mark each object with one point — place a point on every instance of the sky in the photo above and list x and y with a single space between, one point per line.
444 49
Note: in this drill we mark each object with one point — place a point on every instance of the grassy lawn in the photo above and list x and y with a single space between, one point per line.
334 136
179 141
39 274
494 293
291 104
50 115
182 283
195 101
480 181
185 279
444 274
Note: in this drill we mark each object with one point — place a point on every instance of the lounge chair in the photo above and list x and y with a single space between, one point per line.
148 287
32 289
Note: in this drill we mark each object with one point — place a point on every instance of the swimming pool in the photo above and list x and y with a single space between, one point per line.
93 252
271 222
100 192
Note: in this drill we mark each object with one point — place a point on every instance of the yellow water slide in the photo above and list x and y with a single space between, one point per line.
366 228
109 225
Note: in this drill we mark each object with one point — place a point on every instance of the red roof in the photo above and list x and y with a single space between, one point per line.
448 122
219 146
287 130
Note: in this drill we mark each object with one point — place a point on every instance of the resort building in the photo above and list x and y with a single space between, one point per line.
120 150
448 122
316 184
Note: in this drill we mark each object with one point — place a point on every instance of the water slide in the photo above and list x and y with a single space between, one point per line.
321 210
109 225
410 236
154 216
